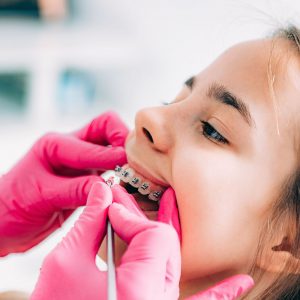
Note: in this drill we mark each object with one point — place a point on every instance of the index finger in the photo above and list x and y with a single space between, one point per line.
168 211
106 129
153 254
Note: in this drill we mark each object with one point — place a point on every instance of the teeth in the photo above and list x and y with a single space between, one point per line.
118 170
127 175
135 182
155 196
144 189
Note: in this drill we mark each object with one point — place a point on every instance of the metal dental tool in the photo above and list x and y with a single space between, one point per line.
111 269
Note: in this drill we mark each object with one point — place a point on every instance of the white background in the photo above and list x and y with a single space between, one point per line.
148 48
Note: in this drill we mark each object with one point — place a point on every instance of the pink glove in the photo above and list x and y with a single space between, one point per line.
54 178
149 269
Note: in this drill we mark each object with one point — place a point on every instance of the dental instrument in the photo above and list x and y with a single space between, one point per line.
111 269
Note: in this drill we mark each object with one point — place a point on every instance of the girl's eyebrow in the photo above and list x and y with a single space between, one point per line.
220 93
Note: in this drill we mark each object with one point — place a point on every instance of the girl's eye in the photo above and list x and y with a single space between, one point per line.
207 130
212 134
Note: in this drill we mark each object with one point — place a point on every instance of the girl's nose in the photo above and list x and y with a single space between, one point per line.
153 128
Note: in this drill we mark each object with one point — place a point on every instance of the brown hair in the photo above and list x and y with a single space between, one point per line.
285 215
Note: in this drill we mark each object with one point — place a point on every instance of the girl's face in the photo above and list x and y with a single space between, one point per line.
225 145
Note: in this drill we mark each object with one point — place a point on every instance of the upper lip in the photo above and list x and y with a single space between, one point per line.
146 173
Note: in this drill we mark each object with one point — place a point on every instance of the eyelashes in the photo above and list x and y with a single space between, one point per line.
211 133
190 82
208 130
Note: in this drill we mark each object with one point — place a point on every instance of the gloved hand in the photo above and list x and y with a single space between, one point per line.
150 268
230 288
54 178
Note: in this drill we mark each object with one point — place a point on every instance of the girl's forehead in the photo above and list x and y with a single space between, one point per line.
251 63
261 63
265 72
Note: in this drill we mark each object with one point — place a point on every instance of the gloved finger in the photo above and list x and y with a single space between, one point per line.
68 151
153 254
89 230
70 193
106 129
120 195
154 245
230 288
168 211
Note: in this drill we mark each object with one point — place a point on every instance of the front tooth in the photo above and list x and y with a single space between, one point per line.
144 189
155 196
118 171
127 175
135 182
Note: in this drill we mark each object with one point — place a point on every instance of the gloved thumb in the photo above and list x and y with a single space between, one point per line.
88 232
153 252
168 211
128 224
148 240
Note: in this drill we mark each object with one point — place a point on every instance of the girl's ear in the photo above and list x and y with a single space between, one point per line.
275 258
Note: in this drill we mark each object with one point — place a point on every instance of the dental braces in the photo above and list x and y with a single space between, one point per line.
127 176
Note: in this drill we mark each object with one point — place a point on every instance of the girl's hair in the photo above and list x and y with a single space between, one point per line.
284 216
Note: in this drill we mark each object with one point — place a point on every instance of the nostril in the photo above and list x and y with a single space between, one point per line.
148 135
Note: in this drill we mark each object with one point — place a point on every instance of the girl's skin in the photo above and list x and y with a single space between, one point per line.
225 186
13 296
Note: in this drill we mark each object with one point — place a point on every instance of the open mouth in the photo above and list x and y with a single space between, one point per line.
146 193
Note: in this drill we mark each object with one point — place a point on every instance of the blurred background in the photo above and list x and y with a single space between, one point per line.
63 62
